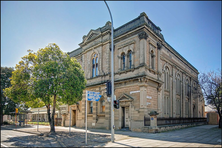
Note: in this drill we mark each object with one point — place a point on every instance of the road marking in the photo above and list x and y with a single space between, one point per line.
4 145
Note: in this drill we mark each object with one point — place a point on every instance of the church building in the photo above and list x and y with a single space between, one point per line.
149 75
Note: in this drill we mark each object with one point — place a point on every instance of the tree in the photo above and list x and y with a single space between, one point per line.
211 85
7 105
49 77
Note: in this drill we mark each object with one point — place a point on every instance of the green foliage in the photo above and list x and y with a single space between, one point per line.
6 103
48 77
55 73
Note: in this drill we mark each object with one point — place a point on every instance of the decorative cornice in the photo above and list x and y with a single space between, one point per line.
143 35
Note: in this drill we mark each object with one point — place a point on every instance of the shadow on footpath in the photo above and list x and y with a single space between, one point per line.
74 139
29 141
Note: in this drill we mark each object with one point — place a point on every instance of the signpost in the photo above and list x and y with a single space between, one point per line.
90 96
38 121
16 111
112 77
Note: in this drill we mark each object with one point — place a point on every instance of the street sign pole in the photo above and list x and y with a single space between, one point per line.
90 96
38 121
16 111
112 77
86 119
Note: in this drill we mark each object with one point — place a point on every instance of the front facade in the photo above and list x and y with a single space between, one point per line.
149 76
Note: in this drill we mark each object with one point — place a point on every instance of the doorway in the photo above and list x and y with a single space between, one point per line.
73 117
125 117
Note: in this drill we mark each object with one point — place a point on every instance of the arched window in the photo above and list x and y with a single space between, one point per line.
123 60
186 107
178 87
91 107
166 105
102 106
187 88
95 65
130 59
178 106
152 56
166 78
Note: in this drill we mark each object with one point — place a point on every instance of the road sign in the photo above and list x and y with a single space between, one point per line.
93 96
16 110
90 96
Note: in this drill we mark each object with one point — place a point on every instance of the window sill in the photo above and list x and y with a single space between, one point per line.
89 115
125 70
101 115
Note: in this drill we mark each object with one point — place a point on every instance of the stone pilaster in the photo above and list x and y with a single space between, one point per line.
162 99
174 93
159 64
143 44
183 95
160 109
143 97
197 105
191 98
171 96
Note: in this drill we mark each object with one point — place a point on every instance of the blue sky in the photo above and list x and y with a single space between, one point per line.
193 28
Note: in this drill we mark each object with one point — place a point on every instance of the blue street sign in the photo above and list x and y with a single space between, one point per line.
93 96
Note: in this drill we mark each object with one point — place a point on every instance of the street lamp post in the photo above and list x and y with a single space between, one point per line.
112 77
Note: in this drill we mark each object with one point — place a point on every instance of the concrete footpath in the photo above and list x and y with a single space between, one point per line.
199 136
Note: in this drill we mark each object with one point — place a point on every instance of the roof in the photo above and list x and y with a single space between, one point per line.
141 20
210 108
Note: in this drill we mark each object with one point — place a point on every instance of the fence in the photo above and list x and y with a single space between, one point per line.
170 121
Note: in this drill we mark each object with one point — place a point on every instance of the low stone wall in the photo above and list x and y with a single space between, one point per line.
164 128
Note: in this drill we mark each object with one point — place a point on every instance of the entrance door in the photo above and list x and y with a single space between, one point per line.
126 116
73 117
123 117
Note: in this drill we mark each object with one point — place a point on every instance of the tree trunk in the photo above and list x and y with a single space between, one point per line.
52 130
48 112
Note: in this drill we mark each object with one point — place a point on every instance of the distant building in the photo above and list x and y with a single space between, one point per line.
209 109
211 114
40 114
149 75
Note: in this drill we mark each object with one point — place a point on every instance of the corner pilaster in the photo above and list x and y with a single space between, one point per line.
143 44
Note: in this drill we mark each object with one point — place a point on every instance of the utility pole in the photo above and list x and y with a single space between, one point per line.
112 77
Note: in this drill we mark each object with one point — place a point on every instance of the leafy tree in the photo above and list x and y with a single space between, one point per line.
7 105
211 85
47 77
